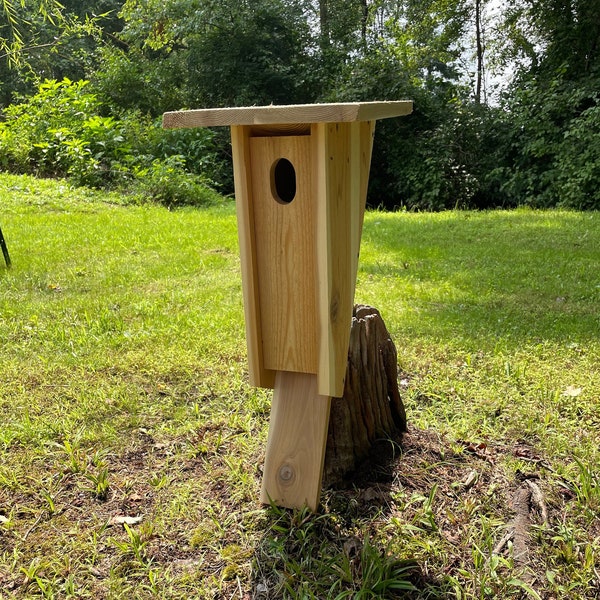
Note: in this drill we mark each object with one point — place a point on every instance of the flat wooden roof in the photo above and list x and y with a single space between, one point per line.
342 112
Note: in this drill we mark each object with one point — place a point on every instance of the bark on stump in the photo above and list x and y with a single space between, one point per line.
371 408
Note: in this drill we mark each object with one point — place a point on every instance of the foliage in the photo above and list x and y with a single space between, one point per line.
12 24
255 56
61 132
578 161
535 146
235 53
549 35
414 51
55 40
166 182
228 53
132 81
547 155
43 134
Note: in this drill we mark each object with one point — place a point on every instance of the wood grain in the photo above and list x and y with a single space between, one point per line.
285 255
287 114
258 374
296 444
371 409
342 152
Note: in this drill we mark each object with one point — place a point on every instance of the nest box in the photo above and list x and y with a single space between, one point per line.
301 174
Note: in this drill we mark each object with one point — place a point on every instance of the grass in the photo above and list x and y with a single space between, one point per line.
131 443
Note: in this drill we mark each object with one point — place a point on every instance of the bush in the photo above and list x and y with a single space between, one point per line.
165 181
433 159
549 153
437 158
62 131
134 82
578 162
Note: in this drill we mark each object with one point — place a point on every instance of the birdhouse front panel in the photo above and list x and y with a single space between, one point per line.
284 232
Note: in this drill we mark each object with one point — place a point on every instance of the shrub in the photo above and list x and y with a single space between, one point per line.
166 181
59 132
62 131
578 162
550 153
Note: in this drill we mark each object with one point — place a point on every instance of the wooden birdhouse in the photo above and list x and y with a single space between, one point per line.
301 175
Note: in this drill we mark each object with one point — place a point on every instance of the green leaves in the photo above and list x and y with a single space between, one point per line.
61 132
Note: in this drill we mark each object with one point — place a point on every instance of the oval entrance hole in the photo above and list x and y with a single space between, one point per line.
283 181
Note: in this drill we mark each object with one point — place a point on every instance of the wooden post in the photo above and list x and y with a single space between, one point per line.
301 175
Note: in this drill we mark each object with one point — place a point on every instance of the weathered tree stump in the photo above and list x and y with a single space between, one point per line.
371 408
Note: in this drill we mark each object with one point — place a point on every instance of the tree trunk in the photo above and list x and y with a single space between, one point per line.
371 408
324 24
478 37
364 22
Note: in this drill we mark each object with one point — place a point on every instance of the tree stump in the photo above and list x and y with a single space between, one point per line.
371 408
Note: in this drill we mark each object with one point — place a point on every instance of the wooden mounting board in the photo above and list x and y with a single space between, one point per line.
345 112
297 440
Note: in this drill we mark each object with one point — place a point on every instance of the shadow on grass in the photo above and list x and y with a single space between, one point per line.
526 276
305 555
359 545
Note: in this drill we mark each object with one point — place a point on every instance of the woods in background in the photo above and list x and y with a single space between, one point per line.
506 94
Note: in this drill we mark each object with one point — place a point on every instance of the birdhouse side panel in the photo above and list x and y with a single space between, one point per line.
240 144
342 158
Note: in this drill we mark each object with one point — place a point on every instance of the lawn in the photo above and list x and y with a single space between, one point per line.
131 443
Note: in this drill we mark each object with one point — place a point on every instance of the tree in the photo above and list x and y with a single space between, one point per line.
45 39
540 36
228 52
454 150
13 20
546 152
479 51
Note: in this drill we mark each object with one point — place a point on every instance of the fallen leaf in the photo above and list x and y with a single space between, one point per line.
4 519
471 479
523 452
123 520
373 493
352 547
572 391
453 538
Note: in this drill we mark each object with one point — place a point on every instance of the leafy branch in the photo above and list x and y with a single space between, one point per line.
12 22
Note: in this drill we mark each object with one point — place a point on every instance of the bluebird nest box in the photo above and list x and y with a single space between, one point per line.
301 175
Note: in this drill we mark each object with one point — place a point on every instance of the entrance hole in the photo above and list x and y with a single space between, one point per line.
283 181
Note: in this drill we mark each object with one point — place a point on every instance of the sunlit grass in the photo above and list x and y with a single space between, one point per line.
123 391
500 313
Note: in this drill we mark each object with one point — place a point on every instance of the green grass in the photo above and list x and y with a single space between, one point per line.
123 393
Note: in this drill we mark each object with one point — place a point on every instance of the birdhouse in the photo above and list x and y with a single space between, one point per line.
301 174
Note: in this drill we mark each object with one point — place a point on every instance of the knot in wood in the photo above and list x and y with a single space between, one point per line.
286 474
334 308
